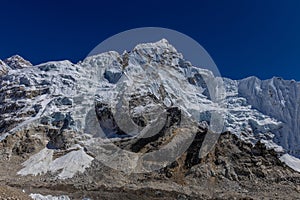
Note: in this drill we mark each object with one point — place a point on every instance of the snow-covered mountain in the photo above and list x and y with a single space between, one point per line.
73 114
250 108
157 77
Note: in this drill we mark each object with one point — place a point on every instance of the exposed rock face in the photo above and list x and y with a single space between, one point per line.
22 143
3 68
237 160
17 62
145 124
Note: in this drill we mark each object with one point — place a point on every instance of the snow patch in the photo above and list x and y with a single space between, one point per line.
48 197
37 164
69 164
291 161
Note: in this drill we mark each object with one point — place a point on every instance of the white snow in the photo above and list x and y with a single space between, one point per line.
278 99
291 161
71 163
67 165
37 164
272 145
48 197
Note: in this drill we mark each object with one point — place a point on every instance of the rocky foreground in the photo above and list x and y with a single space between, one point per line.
233 170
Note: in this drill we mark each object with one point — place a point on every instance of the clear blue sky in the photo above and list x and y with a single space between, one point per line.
244 37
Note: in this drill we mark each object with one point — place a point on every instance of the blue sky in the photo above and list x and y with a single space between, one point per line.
244 37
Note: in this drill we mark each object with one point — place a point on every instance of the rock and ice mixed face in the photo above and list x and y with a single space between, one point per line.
3 68
17 62
115 96
155 76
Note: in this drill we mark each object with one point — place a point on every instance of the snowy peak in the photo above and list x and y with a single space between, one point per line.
158 47
17 62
